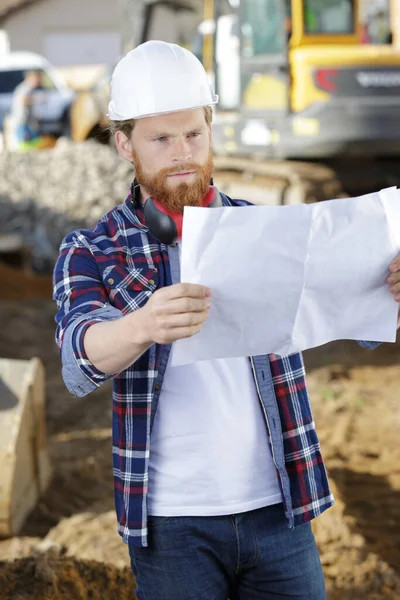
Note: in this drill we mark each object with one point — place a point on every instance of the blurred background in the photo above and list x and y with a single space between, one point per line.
309 110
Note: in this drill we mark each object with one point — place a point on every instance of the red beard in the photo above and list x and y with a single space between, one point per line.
185 194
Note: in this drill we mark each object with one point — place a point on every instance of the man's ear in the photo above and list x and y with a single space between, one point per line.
124 146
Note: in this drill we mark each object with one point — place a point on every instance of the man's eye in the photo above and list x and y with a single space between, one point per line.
194 134
161 139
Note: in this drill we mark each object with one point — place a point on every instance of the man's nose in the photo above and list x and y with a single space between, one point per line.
182 151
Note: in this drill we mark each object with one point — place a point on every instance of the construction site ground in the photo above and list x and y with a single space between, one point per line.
69 548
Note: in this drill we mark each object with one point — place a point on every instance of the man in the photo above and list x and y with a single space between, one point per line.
217 465
24 97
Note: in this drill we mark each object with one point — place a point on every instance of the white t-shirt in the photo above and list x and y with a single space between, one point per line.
209 451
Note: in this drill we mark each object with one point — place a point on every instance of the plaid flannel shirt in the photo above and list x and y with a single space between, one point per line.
113 269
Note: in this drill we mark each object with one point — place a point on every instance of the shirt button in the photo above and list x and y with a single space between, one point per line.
110 281
151 282
156 387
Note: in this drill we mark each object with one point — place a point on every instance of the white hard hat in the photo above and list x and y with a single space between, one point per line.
156 78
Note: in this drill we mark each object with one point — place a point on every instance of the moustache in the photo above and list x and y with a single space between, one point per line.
182 169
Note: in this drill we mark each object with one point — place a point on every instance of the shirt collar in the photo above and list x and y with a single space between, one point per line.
133 208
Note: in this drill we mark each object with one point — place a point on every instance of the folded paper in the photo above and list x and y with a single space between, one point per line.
288 278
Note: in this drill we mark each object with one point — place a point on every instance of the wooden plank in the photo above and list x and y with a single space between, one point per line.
25 470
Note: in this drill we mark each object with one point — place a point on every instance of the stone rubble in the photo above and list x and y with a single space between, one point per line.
45 195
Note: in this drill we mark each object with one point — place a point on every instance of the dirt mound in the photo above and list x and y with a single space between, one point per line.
352 571
355 399
53 577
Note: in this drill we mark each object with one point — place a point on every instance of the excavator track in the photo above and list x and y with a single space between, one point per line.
292 182
276 183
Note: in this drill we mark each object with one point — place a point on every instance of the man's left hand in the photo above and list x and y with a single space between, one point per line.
394 278
394 281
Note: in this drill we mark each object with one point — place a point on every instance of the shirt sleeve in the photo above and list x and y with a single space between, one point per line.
370 345
81 301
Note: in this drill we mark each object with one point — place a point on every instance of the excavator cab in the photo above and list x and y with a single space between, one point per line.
303 79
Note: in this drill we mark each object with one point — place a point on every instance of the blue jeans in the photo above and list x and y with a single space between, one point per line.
248 556
26 133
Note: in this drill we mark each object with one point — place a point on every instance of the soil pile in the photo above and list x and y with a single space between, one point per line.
50 577
354 393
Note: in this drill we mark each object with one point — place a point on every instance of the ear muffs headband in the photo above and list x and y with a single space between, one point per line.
166 226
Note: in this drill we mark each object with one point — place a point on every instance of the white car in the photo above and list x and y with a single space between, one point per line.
53 111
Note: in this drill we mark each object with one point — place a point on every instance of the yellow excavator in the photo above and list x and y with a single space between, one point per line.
302 79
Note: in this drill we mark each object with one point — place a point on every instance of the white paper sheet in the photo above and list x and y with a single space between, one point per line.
288 278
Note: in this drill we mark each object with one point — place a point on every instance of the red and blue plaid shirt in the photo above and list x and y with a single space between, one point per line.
111 270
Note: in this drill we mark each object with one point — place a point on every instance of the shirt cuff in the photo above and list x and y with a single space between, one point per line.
80 375
370 345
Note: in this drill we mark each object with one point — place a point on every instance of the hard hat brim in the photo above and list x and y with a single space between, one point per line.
115 117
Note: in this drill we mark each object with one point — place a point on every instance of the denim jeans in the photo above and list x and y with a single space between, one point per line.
248 556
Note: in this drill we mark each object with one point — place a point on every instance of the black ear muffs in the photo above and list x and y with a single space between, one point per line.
166 226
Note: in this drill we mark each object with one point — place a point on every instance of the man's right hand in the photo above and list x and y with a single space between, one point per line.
175 312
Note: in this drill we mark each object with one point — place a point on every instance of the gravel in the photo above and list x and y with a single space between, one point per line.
45 195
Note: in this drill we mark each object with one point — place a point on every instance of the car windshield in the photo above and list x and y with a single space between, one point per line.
10 79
